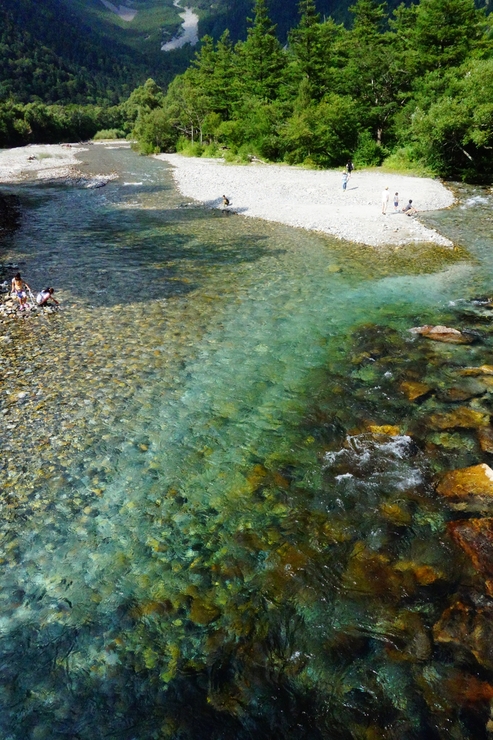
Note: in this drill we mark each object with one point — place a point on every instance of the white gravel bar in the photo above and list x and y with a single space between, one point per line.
314 199
38 162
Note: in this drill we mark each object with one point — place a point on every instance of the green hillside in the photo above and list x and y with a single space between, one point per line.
79 51
155 21
70 51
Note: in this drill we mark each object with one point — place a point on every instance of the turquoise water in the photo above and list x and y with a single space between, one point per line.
201 538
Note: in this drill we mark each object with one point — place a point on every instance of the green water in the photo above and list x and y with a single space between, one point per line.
200 537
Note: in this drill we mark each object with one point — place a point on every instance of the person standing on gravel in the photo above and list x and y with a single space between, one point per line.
345 178
385 200
19 290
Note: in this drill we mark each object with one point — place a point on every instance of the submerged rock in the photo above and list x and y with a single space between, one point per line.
442 334
10 212
413 389
389 429
463 417
482 370
475 537
468 627
468 489
485 437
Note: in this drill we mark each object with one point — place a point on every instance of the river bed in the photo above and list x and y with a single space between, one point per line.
202 537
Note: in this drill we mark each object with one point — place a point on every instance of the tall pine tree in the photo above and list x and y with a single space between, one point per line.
306 44
261 57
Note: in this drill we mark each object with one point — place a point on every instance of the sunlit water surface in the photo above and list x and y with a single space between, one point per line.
200 537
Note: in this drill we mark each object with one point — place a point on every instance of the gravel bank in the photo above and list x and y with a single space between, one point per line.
38 162
314 200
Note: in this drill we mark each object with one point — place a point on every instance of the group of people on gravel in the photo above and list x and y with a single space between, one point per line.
21 291
408 209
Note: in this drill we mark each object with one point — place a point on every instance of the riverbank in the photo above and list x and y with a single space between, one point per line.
314 199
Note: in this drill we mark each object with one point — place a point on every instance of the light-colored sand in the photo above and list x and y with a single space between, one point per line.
38 162
314 199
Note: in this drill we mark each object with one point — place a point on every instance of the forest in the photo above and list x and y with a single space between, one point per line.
413 89
410 88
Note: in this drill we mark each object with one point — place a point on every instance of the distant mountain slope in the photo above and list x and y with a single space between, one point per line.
63 51
99 50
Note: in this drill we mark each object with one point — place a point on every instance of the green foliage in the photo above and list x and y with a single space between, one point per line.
261 59
368 152
322 134
49 55
404 160
49 124
155 132
451 130
412 89
446 32
109 133
386 85
188 148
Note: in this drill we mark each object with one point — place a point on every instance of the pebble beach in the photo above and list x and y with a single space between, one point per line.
314 199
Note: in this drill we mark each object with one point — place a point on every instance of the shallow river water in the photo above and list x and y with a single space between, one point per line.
202 536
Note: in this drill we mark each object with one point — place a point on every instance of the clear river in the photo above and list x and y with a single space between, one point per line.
218 511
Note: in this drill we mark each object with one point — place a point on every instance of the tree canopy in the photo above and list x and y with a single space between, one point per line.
411 85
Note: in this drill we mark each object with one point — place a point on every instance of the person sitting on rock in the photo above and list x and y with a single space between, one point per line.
226 201
46 295
409 209
19 289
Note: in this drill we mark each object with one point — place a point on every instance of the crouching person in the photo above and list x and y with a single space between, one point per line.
46 295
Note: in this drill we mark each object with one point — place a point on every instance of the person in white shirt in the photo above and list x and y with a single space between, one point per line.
385 199
46 295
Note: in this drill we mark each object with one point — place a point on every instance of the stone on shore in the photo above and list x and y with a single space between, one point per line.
314 199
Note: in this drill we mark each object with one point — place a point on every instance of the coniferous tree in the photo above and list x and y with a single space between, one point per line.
370 72
213 72
261 58
446 31
306 44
